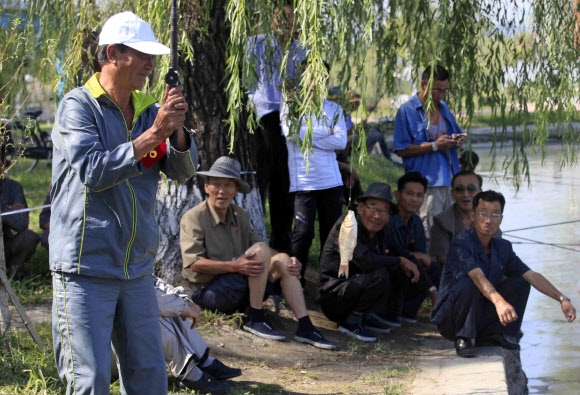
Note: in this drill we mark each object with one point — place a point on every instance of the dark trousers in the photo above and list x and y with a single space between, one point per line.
328 204
18 250
361 293
415 296
274 180
467 313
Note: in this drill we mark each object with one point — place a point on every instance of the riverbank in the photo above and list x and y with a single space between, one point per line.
412 359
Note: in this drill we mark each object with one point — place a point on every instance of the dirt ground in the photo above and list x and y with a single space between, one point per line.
271 367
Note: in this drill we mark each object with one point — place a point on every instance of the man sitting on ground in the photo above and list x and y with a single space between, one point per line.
231 266
19 241
485 286
380 267
456 218
186 353
410 233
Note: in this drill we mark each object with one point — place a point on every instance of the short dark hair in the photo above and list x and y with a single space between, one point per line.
490 197
469 160
412 176
467 173
440 73
102 57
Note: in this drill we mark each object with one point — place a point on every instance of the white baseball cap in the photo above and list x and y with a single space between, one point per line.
127 28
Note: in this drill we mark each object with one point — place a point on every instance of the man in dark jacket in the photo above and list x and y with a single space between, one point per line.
19 241
380 267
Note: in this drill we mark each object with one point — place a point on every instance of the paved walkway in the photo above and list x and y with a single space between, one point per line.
442 372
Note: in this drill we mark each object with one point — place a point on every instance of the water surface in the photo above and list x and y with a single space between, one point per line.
550 347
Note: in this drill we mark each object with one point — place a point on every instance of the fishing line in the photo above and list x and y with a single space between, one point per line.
540 226
547 244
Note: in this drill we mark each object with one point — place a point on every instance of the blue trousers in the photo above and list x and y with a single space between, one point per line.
467 313
89 313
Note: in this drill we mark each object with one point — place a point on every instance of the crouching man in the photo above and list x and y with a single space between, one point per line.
231 267
485 286
380 269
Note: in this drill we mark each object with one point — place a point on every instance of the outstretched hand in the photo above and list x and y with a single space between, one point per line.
568 310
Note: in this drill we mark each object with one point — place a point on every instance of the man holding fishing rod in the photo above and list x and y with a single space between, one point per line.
111 141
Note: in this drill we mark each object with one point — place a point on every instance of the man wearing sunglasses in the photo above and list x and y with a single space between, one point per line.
456 218
485 286
427 137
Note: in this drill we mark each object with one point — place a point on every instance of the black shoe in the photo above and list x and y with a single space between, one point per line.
496 339
314 338
205 385
219 371
464 348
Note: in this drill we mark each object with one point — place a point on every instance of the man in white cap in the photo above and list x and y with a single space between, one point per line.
111 141
232 269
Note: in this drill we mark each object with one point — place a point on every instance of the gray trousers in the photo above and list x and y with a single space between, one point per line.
89 313
183 348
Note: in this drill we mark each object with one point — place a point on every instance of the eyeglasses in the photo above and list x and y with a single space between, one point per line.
471 189
485 215
375 210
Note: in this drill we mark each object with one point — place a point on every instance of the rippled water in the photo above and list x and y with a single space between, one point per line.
551 346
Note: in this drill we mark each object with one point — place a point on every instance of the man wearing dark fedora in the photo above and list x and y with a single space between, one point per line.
231 268
378 271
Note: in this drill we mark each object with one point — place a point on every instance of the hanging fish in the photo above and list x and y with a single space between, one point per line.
347 242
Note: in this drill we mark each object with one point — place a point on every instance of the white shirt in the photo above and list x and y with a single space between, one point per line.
320 168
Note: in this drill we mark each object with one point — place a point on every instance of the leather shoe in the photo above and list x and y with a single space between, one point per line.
205 385
464 348
497 339
219 371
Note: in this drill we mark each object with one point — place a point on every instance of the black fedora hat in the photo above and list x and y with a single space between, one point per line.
378 190
226 167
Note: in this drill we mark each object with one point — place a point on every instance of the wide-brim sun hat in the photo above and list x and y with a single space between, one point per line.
128 29
226 167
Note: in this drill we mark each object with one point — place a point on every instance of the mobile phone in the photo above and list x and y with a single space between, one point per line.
457 136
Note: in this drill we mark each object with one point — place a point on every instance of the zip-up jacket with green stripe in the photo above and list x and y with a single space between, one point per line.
103 201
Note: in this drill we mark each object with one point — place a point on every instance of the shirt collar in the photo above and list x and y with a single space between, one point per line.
215 219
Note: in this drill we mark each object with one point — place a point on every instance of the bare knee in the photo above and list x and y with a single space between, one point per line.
261 253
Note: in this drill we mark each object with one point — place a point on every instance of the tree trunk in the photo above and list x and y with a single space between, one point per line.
203 81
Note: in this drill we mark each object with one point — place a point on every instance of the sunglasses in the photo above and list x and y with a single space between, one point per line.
471 189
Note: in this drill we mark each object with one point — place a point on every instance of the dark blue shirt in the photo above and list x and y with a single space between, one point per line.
411 127
410 236
466 253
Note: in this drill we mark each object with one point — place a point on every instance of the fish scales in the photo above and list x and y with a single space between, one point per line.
347 242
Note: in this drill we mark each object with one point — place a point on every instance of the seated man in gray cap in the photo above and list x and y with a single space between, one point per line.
231 267
377 273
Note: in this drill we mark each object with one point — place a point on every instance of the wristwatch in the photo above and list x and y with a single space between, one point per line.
563 298
434 146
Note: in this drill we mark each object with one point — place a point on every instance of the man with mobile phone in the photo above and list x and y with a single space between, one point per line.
427 137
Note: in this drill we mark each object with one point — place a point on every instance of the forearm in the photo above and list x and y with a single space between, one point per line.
484 286
416 150
210 266
542 284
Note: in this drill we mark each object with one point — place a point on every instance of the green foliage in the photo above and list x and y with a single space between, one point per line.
477 42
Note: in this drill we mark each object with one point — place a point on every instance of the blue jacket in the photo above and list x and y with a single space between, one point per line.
103 201
411 128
